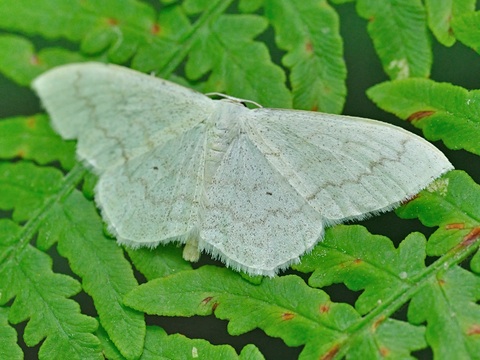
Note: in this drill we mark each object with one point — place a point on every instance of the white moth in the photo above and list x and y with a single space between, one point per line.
255 188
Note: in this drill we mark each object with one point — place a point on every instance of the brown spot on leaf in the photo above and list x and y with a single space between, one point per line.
378 322
34 60
330 354
357 261
441 282
287 316
474 330
314 107
471 237
155 30
420 115
324 308
309 47
112 21
31 122
457 226
206 300
21 153
384 351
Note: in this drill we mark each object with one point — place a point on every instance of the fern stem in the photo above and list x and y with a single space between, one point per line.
402 296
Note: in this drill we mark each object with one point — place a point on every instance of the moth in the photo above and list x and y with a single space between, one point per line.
253 187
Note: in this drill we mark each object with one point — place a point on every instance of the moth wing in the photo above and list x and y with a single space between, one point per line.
345 167
117 113
155 197
254 219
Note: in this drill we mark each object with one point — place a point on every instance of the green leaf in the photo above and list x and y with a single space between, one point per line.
127 29
449 303
25 188
9 348
50 18
240 66
341 1
283 307
32 138
41 297
105 273
20 62
458 220
446 298
159 345
89 182
125 25
443 111
441 14
368 262
393 339
108 348
399 32
194 7
449 307
250 352
121 25
170 45
309 31
475 262
249 6
466 28
159 262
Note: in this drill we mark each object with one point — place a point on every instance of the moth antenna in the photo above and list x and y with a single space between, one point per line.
243 101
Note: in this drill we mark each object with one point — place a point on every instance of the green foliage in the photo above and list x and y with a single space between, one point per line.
281 54
442 13
443 111
466 29
106 274
20 62
42 297
230 75
309 32
32 138
159 345
399 32
8 338
456 218
383 274
283 307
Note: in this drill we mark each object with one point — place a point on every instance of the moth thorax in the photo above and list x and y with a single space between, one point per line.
224 127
